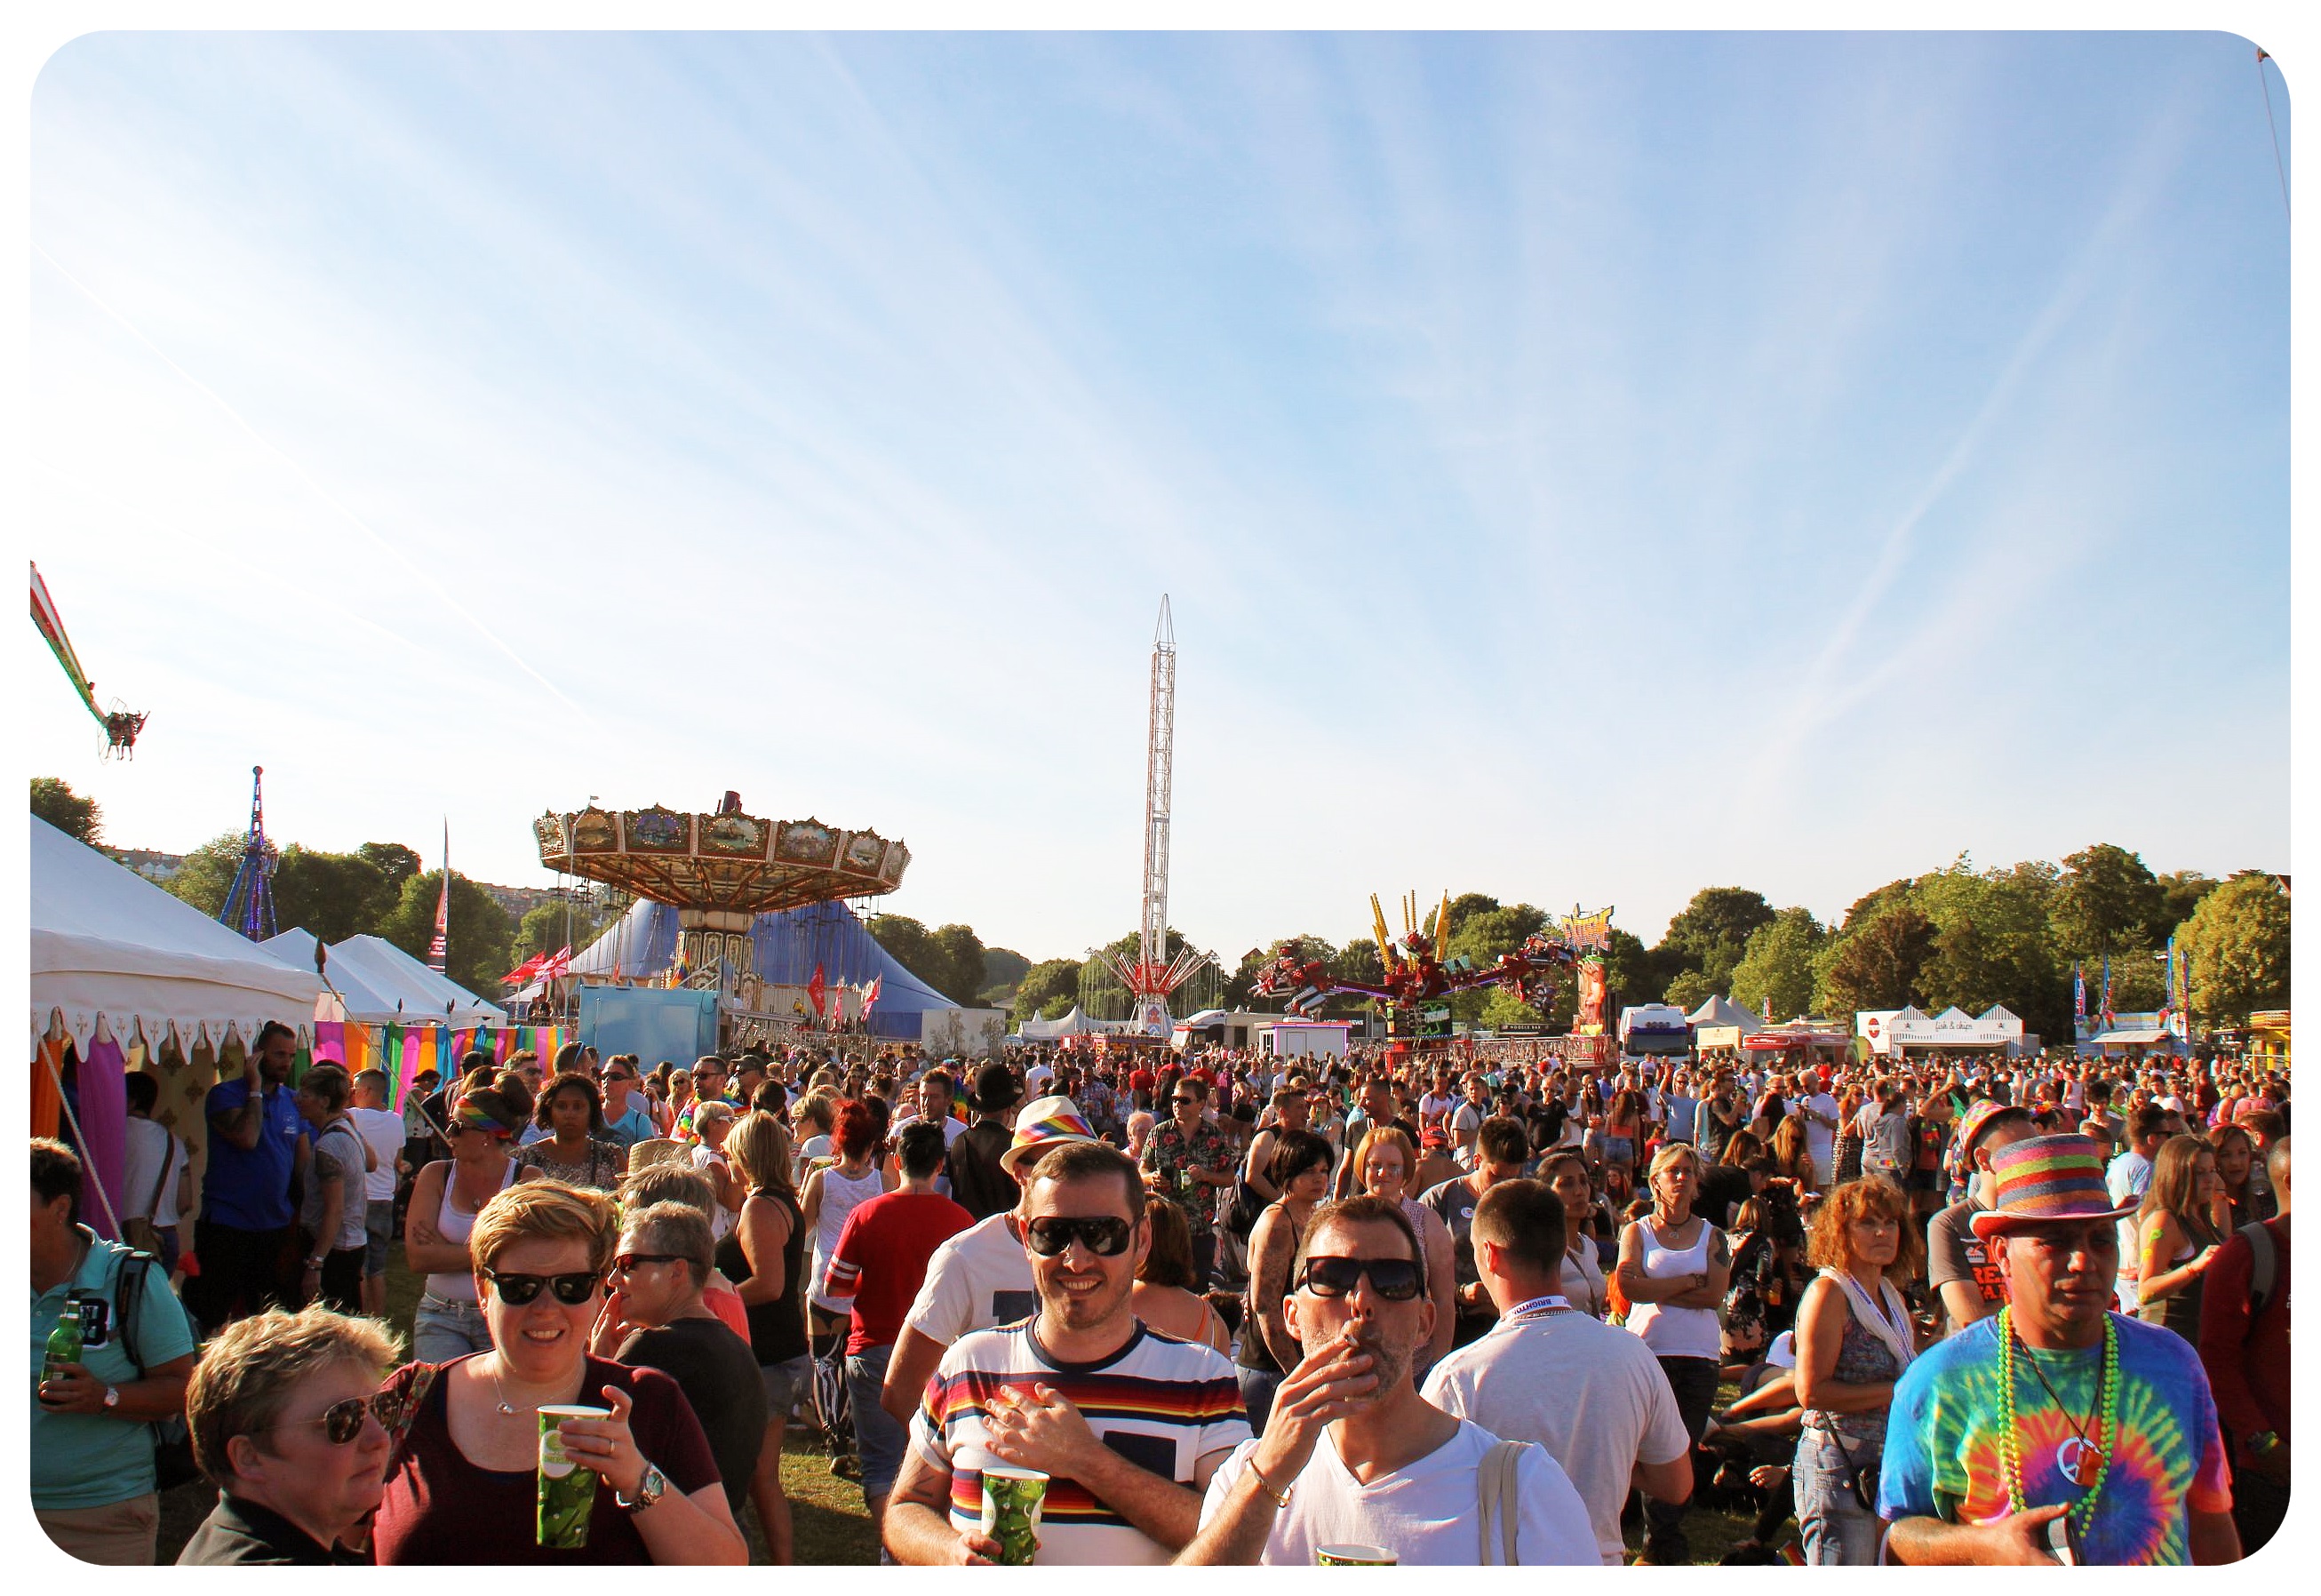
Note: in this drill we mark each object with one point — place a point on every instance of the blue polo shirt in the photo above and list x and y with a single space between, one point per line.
80 1460
251 1191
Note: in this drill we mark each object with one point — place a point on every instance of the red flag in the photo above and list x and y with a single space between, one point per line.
525 971
870 994
558 963
814 991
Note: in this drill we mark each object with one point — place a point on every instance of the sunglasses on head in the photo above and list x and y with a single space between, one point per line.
341 1422
571 1289
1396 1280
1106 1236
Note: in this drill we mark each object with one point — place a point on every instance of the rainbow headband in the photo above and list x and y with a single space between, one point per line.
476 1118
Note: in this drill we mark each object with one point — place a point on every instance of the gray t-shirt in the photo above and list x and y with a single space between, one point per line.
337 1151
1453 1202
1954 1252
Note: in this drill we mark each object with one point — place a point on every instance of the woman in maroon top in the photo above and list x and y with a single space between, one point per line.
461 1486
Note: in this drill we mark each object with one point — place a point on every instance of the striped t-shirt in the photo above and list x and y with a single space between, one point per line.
1167 1406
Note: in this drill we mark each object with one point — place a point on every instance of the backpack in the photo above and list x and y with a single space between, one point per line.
173 1443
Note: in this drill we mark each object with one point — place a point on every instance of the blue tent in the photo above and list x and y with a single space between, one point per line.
788 947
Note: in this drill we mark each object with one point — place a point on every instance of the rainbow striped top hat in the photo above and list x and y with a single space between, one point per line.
2046 1180
1045 1123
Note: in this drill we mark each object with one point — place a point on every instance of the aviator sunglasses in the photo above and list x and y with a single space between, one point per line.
571 1289
1395 1279
341 1422
1106 1236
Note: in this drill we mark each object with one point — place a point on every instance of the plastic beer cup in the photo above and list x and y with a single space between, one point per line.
1012 1499
568 1488
1347 1555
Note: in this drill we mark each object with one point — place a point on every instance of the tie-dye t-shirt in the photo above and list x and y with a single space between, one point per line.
1942 1455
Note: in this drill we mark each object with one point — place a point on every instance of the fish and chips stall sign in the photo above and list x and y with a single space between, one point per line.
1886 1030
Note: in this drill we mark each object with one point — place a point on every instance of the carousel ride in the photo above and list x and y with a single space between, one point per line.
1415 968
720 872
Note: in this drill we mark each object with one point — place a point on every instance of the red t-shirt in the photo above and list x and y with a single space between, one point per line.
880 1260
1140 1081
440 1508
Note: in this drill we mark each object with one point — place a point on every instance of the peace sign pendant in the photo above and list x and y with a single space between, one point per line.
2079 1461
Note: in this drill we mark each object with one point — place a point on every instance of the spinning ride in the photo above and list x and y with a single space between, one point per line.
121 722
1415 970
720 871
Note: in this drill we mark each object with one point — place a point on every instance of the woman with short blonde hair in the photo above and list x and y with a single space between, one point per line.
460 1489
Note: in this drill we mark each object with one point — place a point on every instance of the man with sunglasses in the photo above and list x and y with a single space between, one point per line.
1127 1425
1397 1472
1190 1162
625 1120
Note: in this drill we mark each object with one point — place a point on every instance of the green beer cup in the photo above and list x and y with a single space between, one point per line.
1011 1511
1346 1555
568 1488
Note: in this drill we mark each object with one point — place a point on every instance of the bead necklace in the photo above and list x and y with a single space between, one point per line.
2106 1434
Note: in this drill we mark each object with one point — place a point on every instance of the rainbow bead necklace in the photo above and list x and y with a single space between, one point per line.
2106 1430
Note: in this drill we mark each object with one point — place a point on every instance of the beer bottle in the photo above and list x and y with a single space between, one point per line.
64 1341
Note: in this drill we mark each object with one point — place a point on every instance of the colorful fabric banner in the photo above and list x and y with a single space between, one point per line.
103 1106
502 1044
48 1102
330 1041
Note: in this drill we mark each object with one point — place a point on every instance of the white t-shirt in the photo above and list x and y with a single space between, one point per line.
1431 1108
1821 1140
382 1128
976 1279
1594 1396
721 1220
1036 1078
1427 1514
150 1146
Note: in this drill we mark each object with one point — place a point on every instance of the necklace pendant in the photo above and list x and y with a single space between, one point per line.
2079 1461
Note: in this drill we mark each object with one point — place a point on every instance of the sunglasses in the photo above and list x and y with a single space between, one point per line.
1106 1236
341 1422
571 1289
627 1261
1396 1280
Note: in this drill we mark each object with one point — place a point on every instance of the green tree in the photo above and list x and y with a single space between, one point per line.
542 929
1002 969
66 810
1489 936
1047 990
1994 944
2107 902
1775 976
1630 974
960 954
336 896
1877 964
477 937
2180 892
1502 1007
206 876
395 864
1709 933
909 943
1688 990
2238 943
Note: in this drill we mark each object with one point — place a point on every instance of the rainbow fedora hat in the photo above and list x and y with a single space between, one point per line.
2047 1179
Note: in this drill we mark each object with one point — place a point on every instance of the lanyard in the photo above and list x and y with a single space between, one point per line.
1537 1307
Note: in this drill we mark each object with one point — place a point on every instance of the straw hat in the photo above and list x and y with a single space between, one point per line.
656 1150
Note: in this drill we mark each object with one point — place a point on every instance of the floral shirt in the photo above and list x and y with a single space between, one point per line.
1171 1152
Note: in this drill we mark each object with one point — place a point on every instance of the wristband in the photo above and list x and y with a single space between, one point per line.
1280 1497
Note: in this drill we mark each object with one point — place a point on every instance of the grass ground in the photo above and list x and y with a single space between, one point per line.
829 1525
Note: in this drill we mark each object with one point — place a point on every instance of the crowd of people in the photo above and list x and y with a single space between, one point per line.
1422 1308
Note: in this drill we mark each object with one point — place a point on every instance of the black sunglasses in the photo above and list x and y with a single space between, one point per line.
341 1422
1106 1236
627 1261
1396 1280
571 1289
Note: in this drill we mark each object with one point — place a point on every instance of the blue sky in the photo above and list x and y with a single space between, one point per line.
1586 468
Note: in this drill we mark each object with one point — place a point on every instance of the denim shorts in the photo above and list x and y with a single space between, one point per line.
787 1384
443 1329
378 1230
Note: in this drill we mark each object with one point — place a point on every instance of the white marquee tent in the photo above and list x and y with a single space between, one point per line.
105 941
383 985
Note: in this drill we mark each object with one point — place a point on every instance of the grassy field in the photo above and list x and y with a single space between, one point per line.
829 1525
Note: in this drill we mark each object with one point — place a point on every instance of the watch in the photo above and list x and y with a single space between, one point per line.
649 1486
111 1397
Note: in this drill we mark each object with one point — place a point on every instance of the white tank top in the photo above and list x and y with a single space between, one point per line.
1676 1332
840 1196
453 1224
